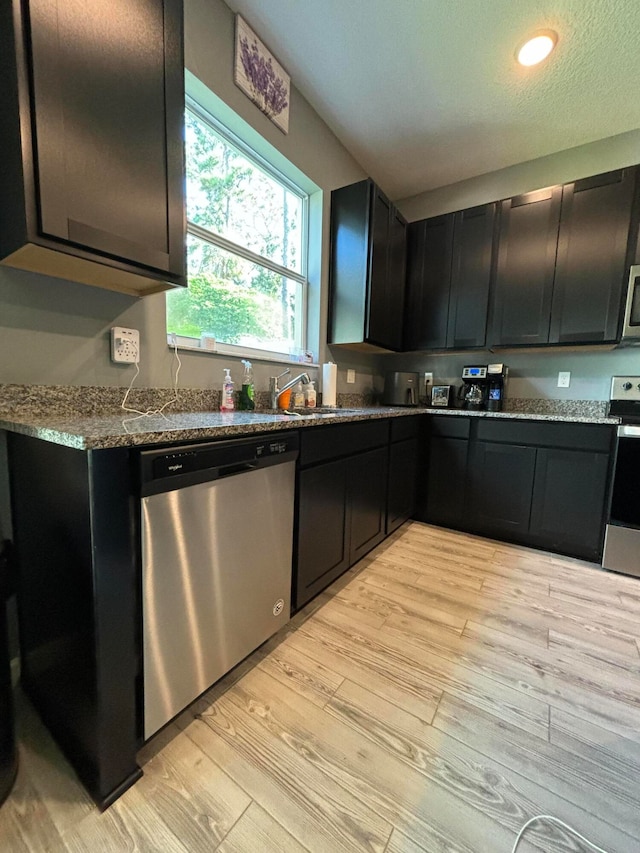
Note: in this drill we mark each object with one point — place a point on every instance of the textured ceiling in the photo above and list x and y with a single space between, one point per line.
424 93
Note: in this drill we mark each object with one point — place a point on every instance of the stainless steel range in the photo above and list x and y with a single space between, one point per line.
622 539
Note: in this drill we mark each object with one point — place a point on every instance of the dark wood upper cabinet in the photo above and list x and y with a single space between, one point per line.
367 269
376 319
562 262
592 261
448 279
522 295
396 278
429 248
471 268
92 111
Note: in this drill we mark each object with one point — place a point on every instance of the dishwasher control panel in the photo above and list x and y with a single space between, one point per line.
165 469
278 447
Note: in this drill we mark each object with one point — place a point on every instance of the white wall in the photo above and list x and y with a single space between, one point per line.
560 168
534 373
56 332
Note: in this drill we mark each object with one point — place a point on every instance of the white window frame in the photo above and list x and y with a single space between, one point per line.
211 237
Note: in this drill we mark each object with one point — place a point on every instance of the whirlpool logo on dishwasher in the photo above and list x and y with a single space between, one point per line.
176 467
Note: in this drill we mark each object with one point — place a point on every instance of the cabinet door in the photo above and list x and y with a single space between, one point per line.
367 501
471 276
349 263
592 258
396 280
500 487
568 507
321 545
401 496
413 306
107 85
428 282
444 500
521 302
378 320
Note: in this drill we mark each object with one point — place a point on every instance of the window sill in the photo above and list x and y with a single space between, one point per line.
194 345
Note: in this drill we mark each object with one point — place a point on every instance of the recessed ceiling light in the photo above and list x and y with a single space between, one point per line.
536 48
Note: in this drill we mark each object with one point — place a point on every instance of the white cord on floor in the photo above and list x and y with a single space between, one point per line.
151 412
563 824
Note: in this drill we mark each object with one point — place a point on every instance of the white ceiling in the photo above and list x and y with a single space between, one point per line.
424 93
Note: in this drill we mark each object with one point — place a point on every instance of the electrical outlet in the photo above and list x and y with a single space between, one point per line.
125 345
428 379
564 379
351 376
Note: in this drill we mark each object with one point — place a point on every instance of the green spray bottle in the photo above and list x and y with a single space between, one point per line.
246 402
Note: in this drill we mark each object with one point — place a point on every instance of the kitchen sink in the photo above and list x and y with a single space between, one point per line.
320 412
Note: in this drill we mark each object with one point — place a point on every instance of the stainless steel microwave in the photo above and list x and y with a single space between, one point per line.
631 327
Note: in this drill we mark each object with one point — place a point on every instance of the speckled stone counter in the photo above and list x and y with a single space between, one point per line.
92 433
563 417
91 418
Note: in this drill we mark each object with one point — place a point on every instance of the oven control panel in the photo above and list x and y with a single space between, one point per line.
625 388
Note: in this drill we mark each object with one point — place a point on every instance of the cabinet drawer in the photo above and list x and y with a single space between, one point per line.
319 444
403 428
451 426
595 437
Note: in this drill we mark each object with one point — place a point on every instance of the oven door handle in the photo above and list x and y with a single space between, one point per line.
628 431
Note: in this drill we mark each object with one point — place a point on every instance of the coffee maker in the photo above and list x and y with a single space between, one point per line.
497 375
475 388
484 387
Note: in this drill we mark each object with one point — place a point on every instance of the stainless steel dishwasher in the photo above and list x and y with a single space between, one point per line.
217 534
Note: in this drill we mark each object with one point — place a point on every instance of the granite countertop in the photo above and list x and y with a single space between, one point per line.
92 432
98 432
561 417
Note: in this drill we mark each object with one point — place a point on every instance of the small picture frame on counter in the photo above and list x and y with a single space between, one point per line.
441 396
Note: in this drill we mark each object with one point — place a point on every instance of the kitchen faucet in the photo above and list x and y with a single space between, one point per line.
275 392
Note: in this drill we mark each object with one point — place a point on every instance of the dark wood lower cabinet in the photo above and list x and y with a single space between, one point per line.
367 502
568 506
500 485
401 494
78 587
508 481
322 547
443 499
341 504
442 478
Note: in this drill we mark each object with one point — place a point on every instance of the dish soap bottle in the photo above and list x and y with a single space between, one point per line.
246 402
227 404
298 397
310 396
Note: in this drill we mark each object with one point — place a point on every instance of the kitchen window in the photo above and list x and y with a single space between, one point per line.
246 249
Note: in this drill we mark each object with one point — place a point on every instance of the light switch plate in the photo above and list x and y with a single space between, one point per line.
351 376
564 379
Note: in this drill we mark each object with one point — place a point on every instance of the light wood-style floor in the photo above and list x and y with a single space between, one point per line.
444 691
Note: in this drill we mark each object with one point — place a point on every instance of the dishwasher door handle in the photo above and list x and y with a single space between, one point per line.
238 468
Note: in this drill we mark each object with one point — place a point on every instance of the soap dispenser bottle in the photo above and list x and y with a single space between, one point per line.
246 401
310 396
298 397
228 404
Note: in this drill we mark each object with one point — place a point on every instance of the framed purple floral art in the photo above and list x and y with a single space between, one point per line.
260 76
